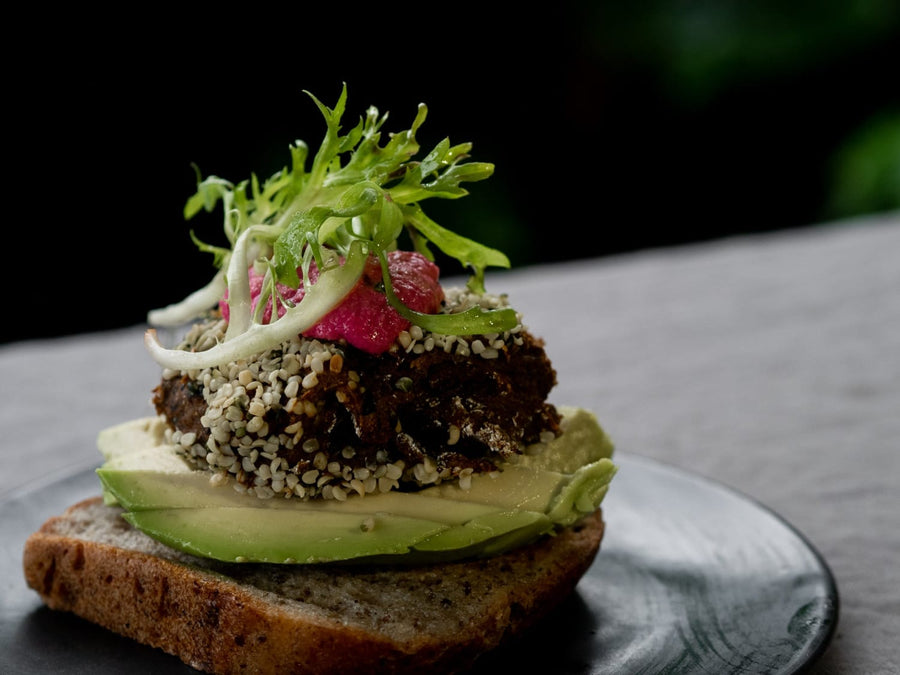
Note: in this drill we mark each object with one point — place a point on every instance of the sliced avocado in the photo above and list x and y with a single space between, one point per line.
130 437
144 489
527 528
583 492
282 535
484 528
515 487
583 441
550 484
135 445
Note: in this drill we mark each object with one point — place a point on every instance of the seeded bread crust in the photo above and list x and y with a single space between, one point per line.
232 618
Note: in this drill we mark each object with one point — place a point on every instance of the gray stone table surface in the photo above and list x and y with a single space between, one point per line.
769 363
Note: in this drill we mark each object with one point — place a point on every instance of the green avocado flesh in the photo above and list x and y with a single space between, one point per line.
550 485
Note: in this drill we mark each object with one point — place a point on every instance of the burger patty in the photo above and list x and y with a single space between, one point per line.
428 414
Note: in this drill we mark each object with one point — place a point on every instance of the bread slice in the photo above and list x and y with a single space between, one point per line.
254 618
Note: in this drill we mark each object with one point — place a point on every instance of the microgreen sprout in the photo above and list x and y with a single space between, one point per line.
356 200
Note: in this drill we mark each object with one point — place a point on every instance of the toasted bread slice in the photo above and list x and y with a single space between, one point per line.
243 618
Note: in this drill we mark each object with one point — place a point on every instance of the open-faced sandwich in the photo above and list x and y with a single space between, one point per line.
347 466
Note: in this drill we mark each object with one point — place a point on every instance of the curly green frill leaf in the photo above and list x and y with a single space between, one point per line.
363 189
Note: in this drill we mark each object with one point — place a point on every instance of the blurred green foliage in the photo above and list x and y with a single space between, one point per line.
831 68
866 169
702 49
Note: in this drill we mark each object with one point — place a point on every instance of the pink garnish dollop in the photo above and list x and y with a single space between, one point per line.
364 318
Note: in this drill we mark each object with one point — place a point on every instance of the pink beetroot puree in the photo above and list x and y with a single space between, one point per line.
364 318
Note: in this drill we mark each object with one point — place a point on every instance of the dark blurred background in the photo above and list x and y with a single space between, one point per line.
613 127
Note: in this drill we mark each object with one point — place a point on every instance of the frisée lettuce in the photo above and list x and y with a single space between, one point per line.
357 198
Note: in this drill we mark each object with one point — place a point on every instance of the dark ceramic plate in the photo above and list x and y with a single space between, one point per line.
692 577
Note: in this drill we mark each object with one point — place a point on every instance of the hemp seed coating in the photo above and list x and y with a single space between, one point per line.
319 419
